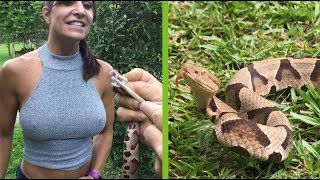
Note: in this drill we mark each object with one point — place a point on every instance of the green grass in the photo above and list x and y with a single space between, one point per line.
224 37
4 55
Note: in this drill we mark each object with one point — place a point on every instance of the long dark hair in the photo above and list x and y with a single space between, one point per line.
91 66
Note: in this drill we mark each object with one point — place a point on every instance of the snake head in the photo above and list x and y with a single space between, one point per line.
199 78
203 84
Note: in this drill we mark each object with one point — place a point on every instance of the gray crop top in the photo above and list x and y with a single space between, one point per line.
62 114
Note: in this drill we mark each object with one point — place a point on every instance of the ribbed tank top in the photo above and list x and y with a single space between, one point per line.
62 115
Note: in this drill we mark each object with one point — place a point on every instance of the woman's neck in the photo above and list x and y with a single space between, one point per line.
62 47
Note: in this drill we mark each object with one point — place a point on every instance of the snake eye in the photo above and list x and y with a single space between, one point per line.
196 72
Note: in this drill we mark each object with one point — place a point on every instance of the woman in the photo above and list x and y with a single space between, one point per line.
64 98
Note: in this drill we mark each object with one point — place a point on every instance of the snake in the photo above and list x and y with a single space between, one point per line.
131 138
247 122
131 151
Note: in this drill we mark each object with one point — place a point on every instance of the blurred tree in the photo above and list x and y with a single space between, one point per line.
128 34
21 22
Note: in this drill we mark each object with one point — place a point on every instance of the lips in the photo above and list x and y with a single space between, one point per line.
76 23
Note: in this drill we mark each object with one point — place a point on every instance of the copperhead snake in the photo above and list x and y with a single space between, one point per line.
248 123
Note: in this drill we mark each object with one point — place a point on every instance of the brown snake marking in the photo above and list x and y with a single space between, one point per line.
131 151
248 123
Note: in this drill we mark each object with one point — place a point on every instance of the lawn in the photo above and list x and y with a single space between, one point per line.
4 55
224 37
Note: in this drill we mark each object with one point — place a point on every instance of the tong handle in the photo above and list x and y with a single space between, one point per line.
121 82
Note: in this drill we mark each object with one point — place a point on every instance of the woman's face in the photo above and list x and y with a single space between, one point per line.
69 19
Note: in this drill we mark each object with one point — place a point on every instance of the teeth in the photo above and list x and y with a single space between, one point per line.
76 23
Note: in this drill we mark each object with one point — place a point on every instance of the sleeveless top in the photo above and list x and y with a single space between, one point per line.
62 115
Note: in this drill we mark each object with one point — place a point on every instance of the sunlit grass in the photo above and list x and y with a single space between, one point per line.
224 37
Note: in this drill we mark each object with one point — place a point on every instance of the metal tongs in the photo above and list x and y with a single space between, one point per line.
119 83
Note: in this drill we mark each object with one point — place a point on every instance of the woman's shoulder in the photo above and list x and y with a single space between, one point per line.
21 64
105 65
102 80
105 68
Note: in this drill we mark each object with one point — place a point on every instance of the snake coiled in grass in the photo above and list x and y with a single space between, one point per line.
247 122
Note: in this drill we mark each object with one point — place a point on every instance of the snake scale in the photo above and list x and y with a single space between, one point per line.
248 123
131 151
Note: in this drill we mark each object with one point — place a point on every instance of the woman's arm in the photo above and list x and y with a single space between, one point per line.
8 112
102 142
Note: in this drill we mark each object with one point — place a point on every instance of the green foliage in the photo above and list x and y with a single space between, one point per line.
128 35
21 22
4 55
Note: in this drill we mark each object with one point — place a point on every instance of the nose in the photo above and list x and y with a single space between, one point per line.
79 9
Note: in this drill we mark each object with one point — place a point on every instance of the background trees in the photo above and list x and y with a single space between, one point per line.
21 22
128 35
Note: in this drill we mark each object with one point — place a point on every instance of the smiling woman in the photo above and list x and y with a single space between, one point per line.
60 25
64 99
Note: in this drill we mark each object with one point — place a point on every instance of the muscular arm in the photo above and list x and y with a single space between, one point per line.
8 112
102 142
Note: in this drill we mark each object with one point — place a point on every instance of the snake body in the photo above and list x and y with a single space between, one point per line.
131 138
248 123
131 151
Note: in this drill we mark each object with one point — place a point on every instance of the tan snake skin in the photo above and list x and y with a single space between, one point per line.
248 123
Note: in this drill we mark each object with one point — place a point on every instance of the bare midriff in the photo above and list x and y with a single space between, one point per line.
36 172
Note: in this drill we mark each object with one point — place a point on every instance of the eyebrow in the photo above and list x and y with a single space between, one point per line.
56 2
